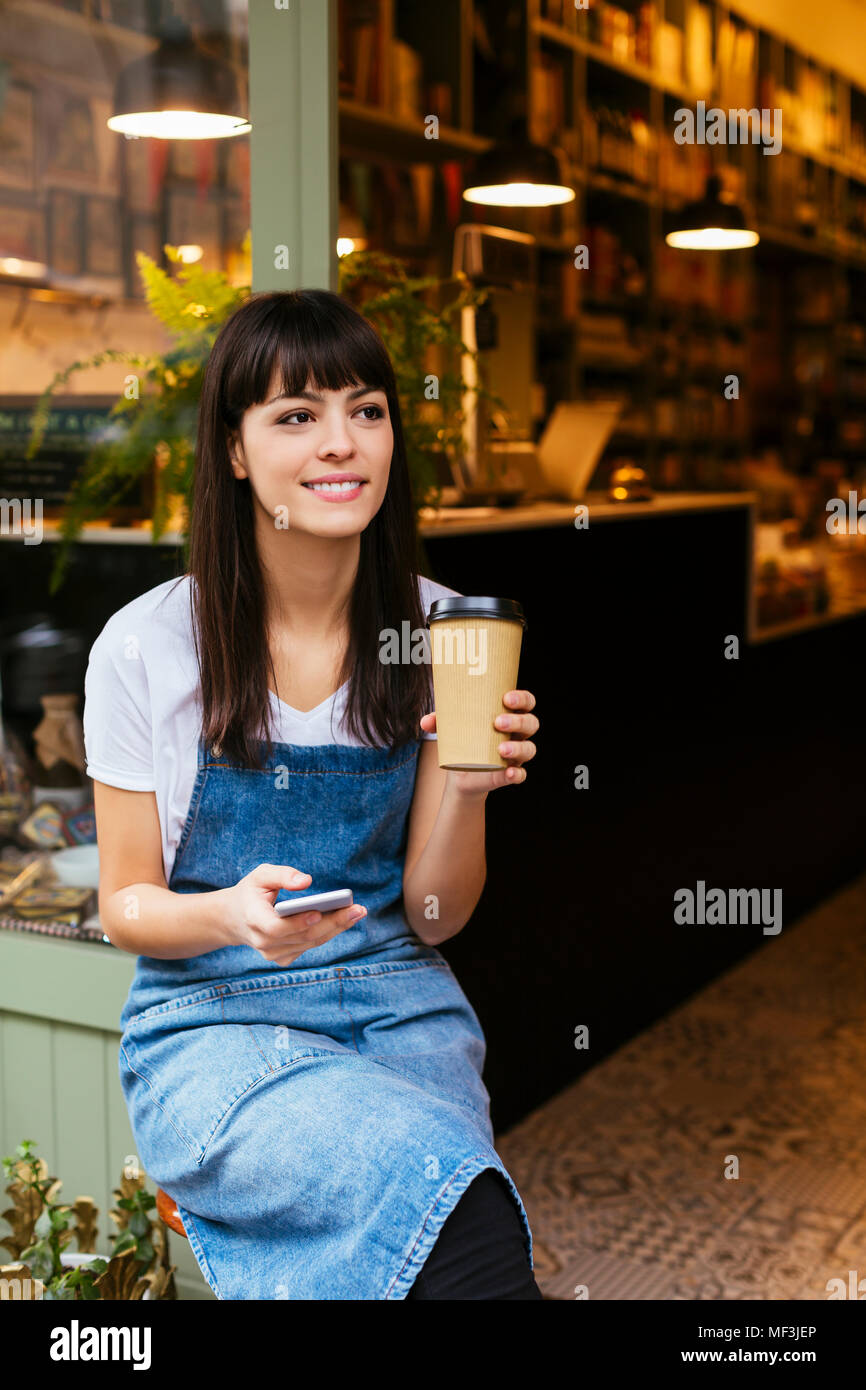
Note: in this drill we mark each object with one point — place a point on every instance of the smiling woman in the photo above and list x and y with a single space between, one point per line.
331 429
312 351
308 1089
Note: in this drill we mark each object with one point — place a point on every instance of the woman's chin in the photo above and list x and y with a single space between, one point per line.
338 523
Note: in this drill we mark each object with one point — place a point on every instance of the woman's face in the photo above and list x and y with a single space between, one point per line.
288 444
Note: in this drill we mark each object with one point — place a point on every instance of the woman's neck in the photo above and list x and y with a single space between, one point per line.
308 579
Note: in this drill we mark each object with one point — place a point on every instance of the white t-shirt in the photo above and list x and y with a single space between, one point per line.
142 713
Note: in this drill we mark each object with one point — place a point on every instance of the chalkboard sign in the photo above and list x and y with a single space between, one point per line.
75 423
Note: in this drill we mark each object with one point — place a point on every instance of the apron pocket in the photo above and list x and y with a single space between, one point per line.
197 1072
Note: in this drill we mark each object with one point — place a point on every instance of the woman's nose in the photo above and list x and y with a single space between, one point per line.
337 440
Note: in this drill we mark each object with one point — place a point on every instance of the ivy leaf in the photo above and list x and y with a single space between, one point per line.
40 1260
60 1218
44 1226
145 1251
139 1224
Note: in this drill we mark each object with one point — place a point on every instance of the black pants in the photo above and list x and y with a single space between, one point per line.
480 1251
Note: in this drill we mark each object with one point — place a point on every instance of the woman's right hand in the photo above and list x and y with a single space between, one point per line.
252 921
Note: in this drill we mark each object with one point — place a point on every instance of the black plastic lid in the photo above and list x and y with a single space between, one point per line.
471 606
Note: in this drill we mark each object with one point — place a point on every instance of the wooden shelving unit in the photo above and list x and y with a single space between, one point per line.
663 329
675 423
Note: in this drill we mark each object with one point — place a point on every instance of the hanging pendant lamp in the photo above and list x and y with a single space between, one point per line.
178 92
709 224
517 173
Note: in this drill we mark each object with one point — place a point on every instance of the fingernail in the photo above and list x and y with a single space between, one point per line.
312 918
505 749
357 913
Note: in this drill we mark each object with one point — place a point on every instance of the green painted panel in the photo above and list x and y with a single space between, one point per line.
28 1086
71 981
119 1141
80 1118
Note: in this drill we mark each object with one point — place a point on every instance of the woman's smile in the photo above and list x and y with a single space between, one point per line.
337 487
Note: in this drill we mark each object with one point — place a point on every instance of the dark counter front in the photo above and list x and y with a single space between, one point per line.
741 773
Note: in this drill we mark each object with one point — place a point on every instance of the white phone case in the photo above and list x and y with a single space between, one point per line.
316 902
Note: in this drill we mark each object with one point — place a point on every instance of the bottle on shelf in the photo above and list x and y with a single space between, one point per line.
806 204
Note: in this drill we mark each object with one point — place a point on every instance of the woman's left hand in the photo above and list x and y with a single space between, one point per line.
517 747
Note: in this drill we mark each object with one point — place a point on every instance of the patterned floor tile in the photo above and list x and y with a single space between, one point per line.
625 1173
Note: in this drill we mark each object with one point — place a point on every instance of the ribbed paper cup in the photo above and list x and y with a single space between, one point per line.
475 653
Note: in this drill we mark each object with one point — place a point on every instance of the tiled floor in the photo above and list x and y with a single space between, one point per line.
623 1173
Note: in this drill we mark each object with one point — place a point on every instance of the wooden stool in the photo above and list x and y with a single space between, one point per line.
167 1209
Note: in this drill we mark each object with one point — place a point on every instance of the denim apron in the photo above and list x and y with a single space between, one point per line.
315 1126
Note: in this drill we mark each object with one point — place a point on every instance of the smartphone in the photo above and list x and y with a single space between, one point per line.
316 902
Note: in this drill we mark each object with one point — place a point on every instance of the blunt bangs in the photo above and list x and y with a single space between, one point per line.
306 343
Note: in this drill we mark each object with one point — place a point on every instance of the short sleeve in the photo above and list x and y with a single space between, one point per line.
429 590
117 718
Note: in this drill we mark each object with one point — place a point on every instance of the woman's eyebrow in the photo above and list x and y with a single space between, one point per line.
313 396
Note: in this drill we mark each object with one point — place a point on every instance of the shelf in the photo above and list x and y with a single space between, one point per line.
368 131
640 72
548 29
826 158
448 520
599 361
808 246
55 16
105 535
810 623
623 188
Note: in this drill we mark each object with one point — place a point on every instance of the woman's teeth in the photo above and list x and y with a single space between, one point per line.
332 487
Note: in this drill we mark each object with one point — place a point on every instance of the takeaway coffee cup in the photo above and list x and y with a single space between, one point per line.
475 651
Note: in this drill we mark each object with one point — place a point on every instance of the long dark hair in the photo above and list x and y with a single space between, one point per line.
308 336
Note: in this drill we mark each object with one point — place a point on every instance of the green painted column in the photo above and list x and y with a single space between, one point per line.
293 143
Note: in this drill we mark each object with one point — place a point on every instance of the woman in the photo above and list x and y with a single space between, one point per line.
308 1089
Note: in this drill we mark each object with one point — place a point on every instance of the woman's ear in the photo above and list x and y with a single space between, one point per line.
236 456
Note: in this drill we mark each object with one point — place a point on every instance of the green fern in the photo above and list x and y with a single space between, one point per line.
397 303
155 416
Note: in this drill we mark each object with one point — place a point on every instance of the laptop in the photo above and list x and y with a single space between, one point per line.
559 467
572 444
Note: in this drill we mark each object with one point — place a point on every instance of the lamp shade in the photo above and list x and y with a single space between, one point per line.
178 92
709 224
517 173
